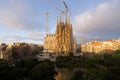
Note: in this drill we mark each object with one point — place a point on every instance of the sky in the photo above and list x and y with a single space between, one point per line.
25 20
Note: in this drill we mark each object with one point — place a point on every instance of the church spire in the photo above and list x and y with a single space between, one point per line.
57 20
60 19
68 19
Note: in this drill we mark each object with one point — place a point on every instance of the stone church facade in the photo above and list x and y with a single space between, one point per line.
62 41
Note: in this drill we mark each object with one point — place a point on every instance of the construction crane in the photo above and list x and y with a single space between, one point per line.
61 13
47 13
66 8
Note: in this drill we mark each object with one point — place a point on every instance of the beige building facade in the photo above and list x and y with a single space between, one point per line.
50 43
62 41
97 47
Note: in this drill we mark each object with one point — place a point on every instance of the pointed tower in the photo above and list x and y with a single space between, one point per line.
64 36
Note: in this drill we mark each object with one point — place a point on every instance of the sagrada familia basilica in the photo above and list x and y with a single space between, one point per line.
62 41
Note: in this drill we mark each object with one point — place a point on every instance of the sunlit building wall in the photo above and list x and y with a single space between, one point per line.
96 47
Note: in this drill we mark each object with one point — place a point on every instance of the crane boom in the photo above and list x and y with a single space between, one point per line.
66 7
60 11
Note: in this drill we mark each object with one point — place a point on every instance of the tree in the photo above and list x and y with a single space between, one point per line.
117 52
4 68
19 73
43 71
78 75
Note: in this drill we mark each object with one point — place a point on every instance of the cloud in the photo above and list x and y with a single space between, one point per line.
10 13
101 22
36 34
28 39
18 15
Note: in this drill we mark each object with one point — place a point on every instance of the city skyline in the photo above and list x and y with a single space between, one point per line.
25 20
